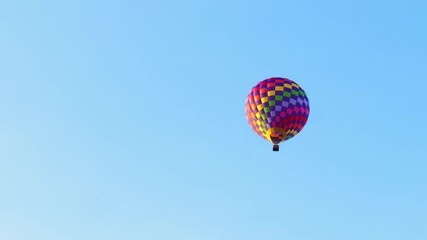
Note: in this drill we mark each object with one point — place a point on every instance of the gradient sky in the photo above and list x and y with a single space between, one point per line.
125 120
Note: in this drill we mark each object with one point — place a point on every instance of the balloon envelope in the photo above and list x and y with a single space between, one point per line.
277 109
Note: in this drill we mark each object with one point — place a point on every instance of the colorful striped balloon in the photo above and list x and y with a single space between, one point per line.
277 109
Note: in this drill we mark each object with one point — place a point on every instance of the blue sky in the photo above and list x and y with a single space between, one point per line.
125 120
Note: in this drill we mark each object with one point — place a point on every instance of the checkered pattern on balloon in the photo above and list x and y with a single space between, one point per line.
277 106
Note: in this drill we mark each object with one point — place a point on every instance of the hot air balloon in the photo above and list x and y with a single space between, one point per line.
277 109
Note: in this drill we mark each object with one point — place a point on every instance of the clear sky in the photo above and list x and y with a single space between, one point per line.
125 120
